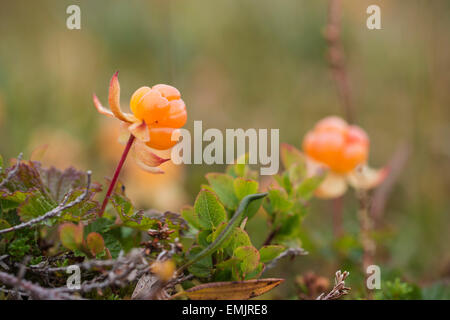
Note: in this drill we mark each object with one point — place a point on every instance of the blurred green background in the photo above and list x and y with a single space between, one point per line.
249 64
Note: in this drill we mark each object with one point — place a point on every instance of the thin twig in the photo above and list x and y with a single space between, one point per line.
291 252
271 236
123 271
339 288
366 226
382 193
34 290
9 291
54 212
336 58
12 172
338 230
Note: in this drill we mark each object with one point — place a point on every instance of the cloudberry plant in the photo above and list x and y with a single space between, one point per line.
340 146
342 150
157 114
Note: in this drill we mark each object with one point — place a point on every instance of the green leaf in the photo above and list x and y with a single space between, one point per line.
130 219
270 252
100 225
290 228
244 187
209 210
123 206
249 257
213 236
95 243
223 186
4 225
307 187
256 273
229 263
277 201
296 173
284 181
37 190
237 216
188 213
238 238
290 155
201 268
113 244
19 247
71 235
203 238
35 205
26 179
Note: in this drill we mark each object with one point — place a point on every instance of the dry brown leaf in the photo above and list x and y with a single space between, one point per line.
235 290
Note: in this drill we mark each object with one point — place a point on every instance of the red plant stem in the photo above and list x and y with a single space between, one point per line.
116 174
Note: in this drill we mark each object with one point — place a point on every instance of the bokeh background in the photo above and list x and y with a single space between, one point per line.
249 64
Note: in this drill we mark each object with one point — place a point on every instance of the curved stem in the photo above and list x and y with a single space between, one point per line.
116 174
240 213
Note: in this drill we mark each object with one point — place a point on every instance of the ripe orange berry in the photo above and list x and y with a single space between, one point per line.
163 110
336 144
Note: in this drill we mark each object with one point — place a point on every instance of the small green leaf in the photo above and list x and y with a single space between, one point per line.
290 155
307 187
4 225
95 243
277 201
136 220
256 273
71 235
203 238
229 263
244 187
290 228
209 210
123 206
188 213
284 181
270 252
223 186
296 173
201 268
99 225
213 235
112 244
19 247
226 233
240 168
238 238
34 206
249 257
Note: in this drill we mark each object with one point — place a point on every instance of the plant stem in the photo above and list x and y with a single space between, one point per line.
366 227
337 217
239 213
336 58
271 236
116 174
